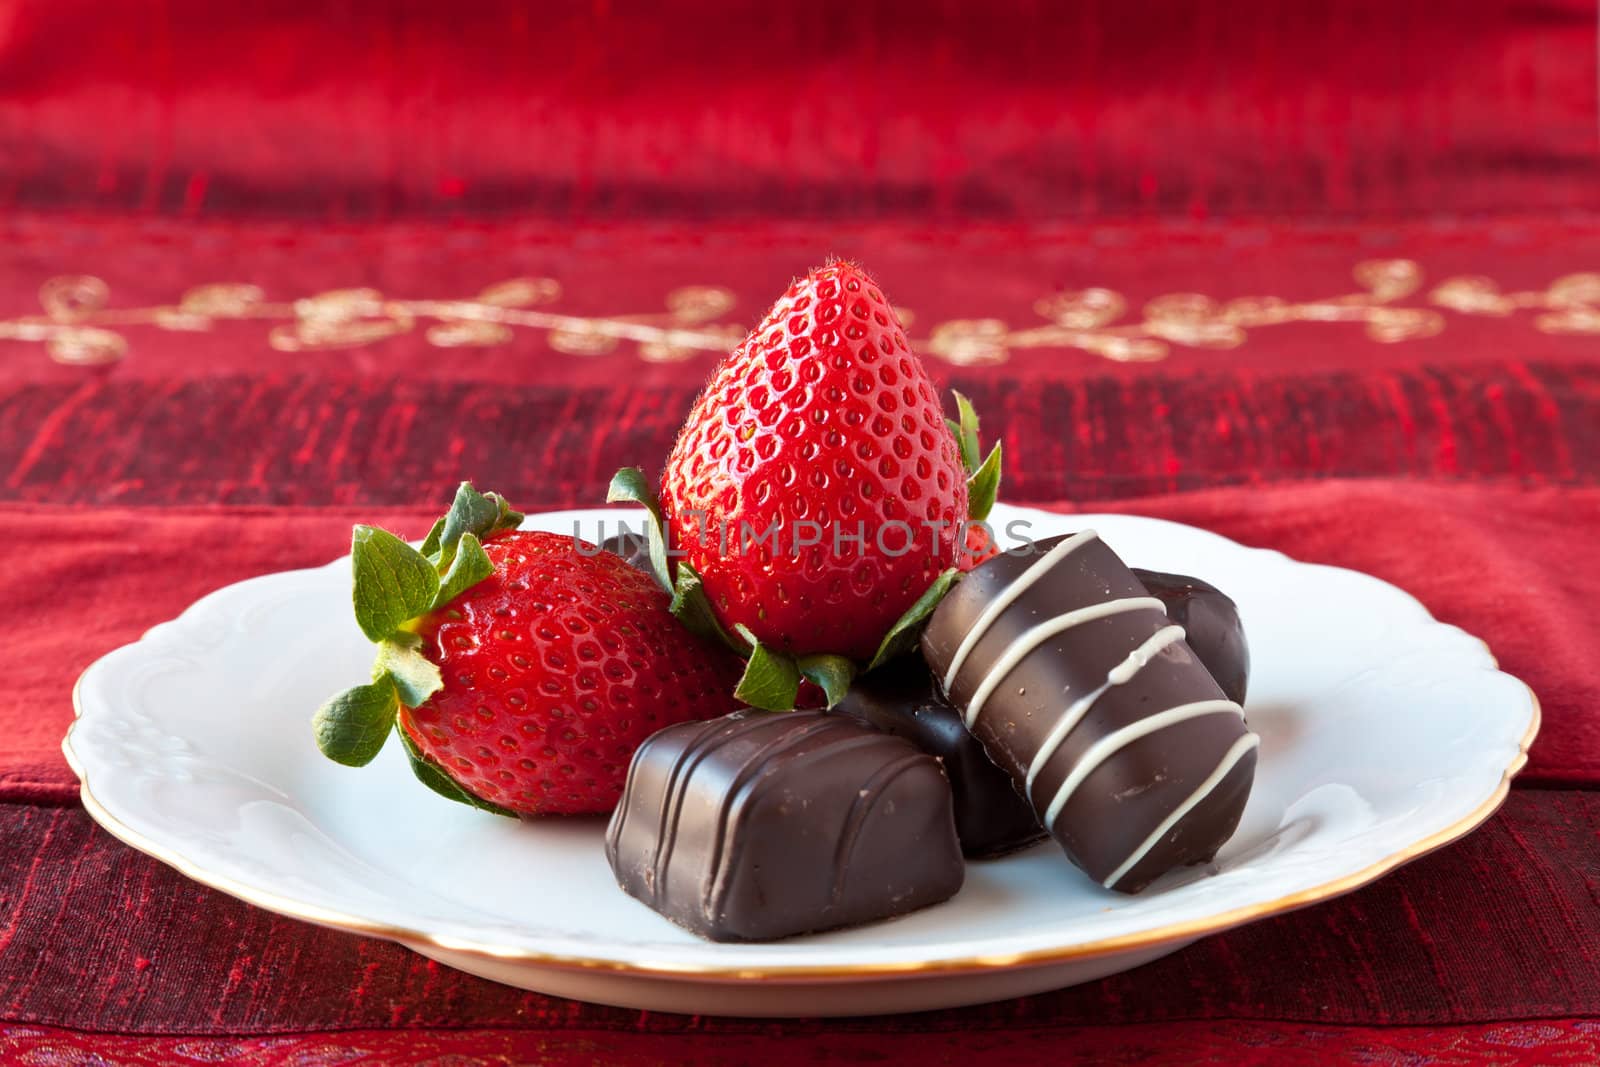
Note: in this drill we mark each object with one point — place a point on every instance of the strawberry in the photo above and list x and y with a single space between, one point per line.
816 493
522 669
981 547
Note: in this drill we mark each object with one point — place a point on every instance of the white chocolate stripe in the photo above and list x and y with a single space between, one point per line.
1113 743
1118 675
1033 637
1007 596
1229 760
1123 672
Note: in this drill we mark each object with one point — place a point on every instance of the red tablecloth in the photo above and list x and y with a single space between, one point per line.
1463 466
1327 282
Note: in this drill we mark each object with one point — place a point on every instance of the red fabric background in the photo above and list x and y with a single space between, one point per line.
941 273
1462 466
1006 108
1496 927
1546 1042
1033 182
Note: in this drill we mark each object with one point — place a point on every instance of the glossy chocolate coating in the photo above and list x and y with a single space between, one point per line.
1071 674
992 818
762 825
902 698
1210 621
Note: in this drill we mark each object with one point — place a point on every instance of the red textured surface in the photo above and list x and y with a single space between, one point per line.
1493 928
1323 279
1021 275
1463 467
556 667
822 425
1013 107
1546 1043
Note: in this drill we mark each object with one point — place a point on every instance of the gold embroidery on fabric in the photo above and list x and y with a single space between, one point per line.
1088 318
78 328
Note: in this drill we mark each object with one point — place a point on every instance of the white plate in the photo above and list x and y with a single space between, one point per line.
1384 734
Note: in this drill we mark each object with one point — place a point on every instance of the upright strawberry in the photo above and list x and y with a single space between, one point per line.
520 669
816 497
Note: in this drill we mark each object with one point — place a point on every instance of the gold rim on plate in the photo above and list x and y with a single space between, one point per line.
1174 932
1182 932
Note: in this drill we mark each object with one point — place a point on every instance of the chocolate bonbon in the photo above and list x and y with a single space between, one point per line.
1081 688
902 698
1211 626
992 818
761 825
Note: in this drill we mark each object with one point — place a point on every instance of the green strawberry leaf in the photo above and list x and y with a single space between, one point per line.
470 566
393 581
630 486
955 431
983 486
692 607
352 727
479 514
430 545
433 776
966 431
983 476
832 674
509 517
771 680
902 636
393 585
414 676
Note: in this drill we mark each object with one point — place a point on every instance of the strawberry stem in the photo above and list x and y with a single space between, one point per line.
902 636
630 486
771 680
392 586
983 476
983 486
481 514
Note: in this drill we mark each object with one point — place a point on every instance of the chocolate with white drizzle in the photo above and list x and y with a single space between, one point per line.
761 825
992 817
1082 689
